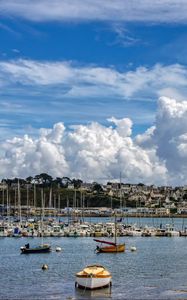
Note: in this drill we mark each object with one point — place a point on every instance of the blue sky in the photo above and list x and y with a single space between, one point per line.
77 62
117 44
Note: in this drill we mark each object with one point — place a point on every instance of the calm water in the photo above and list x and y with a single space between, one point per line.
157 270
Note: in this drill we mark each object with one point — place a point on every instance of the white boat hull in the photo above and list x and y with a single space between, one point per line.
92 282
3 234
172 233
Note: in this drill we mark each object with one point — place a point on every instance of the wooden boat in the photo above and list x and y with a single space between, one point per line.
45 248
110 248
93 277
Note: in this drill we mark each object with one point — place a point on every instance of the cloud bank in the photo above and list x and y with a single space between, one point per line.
167 11
96 152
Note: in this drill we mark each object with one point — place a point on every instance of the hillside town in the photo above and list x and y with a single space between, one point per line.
95 198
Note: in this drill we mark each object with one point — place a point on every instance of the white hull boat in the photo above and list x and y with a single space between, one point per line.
3 231
93 277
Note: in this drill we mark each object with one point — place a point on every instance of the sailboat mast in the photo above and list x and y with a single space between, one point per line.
115 230
67 200
15 200
42 215
83 202
34 204
8 204
120 194
58 205
27 201
19 203
4 195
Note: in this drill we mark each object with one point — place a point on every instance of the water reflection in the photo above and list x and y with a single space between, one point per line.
104 293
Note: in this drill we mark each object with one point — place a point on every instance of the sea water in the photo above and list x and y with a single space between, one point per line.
157 270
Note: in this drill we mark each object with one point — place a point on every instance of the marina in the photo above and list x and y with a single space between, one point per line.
93 227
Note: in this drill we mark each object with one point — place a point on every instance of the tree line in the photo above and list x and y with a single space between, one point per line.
44 180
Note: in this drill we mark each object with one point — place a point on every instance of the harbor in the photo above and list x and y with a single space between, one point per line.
137 272
52 209
141 274
93 227
57 246
54 253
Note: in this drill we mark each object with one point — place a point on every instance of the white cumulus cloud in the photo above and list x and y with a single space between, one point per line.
90 152
169 137
97 152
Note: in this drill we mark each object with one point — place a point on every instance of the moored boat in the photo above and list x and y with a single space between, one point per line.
3 231
45 248
17 232
183 233
42 248
110 248
93 277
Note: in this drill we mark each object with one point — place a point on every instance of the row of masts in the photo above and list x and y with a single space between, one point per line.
48 201
54 199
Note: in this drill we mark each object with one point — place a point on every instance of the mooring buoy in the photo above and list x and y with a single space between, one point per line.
45 267
133 248
58 249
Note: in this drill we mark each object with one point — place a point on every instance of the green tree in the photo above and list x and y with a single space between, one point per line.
29 179
77 183
44 179
57 181
65 181
97 187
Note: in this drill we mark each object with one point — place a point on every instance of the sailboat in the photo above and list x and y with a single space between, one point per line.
110 247
43 248
183 232
17 232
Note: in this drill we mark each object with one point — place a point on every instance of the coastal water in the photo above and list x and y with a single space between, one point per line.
157 270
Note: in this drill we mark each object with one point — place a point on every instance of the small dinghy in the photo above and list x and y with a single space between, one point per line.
93 277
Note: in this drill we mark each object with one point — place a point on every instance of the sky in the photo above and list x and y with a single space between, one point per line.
91 89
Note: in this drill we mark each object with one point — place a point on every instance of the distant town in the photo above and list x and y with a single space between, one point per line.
61 195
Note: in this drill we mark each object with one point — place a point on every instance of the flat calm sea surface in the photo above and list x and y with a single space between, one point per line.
157 270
